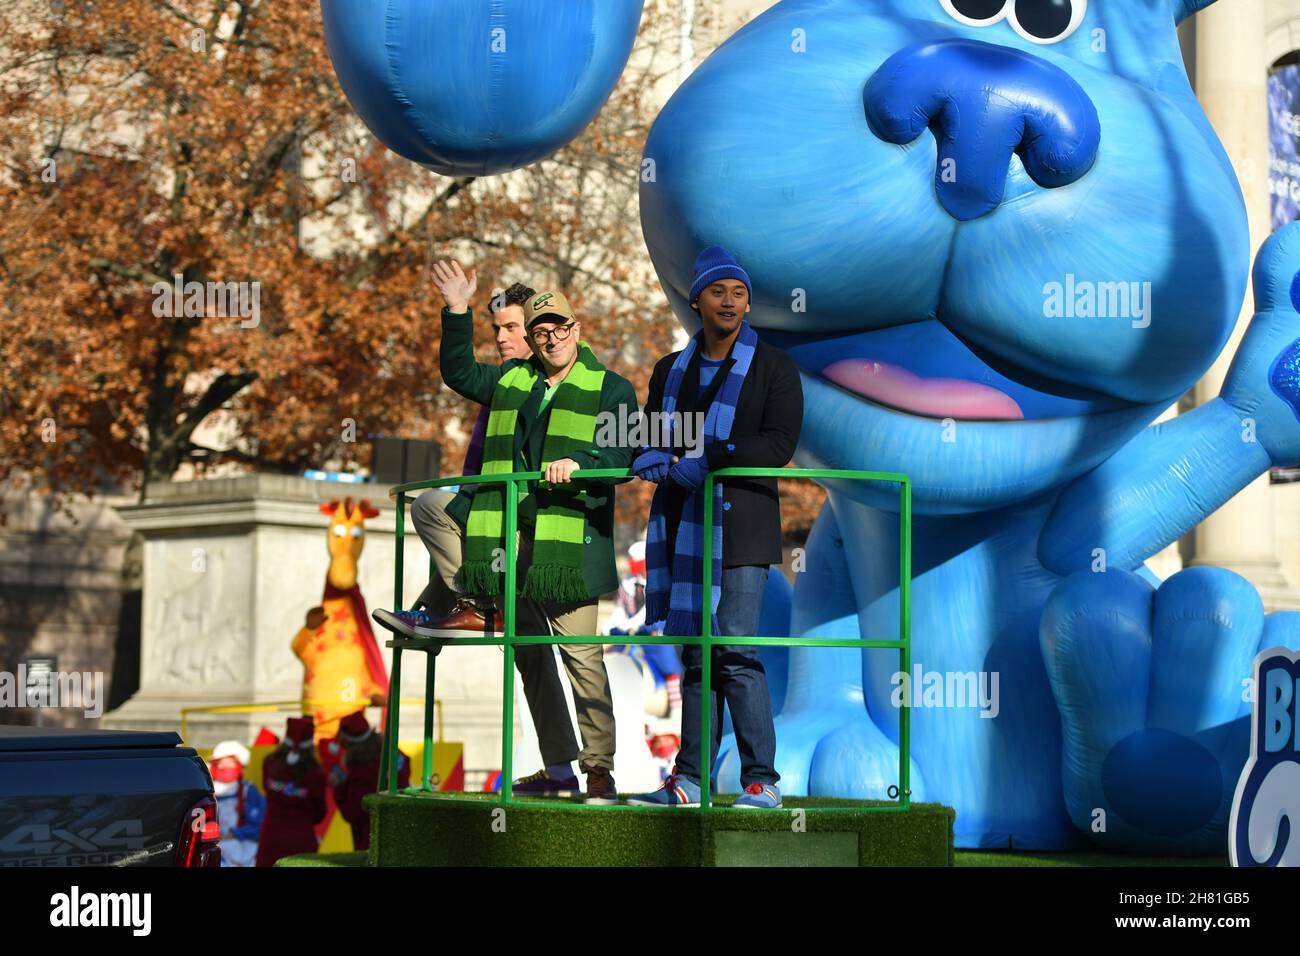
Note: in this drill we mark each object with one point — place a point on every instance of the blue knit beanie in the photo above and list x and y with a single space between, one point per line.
716 263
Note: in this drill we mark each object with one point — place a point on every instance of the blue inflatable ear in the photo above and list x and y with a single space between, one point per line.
1185 8
473 88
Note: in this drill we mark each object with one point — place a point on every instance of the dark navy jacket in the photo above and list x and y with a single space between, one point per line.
769 416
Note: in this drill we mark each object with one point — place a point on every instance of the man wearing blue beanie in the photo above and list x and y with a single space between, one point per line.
749 397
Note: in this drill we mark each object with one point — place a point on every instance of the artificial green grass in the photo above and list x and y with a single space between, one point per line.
473 830
355 858
964 858
978 858
781 851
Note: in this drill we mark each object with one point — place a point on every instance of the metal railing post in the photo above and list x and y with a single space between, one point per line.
905 637
388 753
430 664
509 639
508 626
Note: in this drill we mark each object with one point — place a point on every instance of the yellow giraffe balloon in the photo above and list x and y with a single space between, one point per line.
344 671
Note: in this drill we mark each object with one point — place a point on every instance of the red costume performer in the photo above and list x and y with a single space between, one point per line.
358 774
295 795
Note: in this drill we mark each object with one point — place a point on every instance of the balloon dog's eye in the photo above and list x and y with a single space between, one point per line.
1038 21
1047 21
976 13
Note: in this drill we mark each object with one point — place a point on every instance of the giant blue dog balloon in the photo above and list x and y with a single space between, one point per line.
999 237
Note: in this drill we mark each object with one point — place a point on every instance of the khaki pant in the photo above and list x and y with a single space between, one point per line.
445 541
543 689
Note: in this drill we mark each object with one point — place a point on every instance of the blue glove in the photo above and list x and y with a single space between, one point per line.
652 465
689 472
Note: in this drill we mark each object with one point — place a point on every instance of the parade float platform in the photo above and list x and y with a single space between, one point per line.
422 826
464 829
454 830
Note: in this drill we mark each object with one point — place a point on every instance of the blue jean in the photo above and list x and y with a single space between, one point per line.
738 679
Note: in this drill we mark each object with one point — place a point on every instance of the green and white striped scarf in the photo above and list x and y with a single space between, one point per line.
555 574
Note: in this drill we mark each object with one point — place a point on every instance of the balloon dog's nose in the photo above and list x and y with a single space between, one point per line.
983 102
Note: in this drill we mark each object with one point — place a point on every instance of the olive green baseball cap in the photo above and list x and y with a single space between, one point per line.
547 306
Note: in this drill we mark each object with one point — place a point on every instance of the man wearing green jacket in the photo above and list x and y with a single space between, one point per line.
544 416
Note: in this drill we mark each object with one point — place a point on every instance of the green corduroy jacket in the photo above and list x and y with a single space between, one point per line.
477 381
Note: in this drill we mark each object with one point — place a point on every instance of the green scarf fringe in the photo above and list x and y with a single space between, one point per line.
555 582
478 578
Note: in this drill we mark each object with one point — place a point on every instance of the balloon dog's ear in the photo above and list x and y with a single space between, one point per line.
1185 8
476 88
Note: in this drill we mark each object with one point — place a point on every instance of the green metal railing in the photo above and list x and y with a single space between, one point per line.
509 640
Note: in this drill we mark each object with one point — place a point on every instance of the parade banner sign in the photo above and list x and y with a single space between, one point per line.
1266 806
1284 144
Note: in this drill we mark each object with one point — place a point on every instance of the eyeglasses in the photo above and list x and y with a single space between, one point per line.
559 333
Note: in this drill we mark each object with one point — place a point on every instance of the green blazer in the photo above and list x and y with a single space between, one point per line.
477 382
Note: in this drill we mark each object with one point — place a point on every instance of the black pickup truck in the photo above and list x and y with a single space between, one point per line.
104 798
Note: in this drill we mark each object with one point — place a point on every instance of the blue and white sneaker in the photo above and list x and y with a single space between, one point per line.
676 792
759 796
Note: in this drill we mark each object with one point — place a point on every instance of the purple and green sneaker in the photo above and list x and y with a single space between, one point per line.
542 784
412 623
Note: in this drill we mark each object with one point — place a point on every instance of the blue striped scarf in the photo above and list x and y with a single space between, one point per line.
678 595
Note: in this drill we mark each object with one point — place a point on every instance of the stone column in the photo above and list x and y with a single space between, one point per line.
62 594
1232 85
231 566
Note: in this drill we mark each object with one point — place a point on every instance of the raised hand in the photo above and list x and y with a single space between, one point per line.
1263 383
455 287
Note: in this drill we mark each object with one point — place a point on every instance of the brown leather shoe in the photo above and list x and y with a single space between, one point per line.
600 785
465 620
